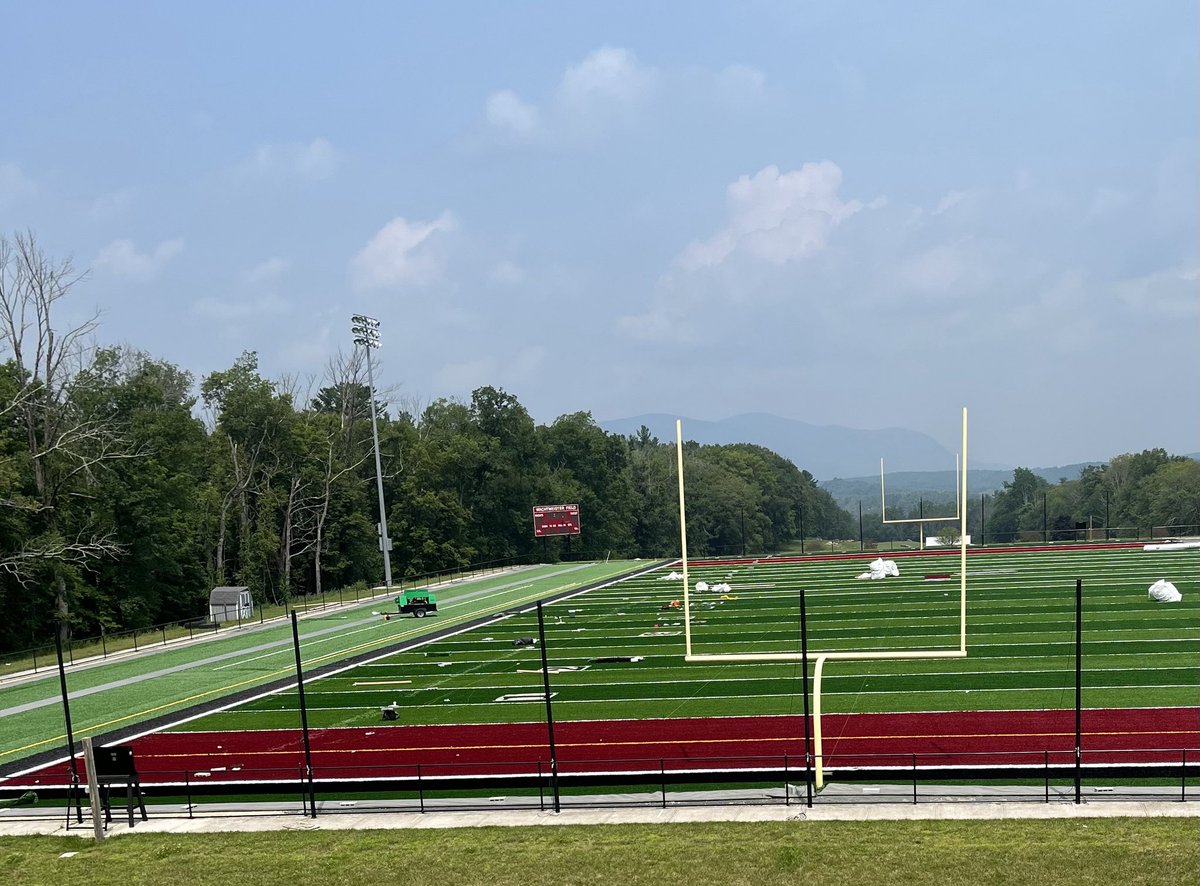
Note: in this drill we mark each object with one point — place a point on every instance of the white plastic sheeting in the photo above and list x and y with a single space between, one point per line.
722 588
881 568
1165 592
702 586
674 576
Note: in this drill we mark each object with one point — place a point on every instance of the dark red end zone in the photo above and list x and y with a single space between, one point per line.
983 739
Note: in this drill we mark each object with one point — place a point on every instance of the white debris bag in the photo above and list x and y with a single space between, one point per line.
674 576
881 568
702 586
722 588
1164 592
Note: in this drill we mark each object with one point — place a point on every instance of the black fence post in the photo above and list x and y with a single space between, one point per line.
420 789
62 682
808 757
549 707
914 765
103 645
862 542
1046 755
1079 684
312 796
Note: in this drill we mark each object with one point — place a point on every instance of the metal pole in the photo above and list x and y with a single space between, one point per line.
983 518
802 528
743 509
62 682
808 758
1079 683
1045 537
370 341
549 708
862 544
312 796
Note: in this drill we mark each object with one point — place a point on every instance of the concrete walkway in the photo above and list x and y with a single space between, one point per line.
850 803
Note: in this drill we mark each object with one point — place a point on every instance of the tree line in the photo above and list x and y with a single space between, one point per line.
128 490
1130 496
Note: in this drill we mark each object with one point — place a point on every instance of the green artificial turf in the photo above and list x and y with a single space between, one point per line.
1021 646
207 669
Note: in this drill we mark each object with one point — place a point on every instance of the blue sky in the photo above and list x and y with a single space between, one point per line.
866 214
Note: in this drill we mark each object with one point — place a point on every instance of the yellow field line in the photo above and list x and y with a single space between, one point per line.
96 728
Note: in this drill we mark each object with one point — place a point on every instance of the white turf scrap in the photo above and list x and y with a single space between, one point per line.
881 568
1163 591
1172 546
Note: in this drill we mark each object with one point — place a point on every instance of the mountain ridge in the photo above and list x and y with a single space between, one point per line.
825 451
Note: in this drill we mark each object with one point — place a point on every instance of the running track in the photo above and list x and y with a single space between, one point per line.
982 738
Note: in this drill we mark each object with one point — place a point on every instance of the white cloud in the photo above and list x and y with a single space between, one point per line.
270 305
525 364
120 257
111 206
313 161
1172 293
461 378
1109 202
607 75
15 185
776 217
508 273
947 268
740 84
949 201
271 269
610 87
403 252
506 111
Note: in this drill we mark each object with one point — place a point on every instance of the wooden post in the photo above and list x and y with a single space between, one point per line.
93 783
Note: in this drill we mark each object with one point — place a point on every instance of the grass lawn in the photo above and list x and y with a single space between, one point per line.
1051 852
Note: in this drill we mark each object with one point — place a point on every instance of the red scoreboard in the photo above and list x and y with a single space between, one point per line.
555 520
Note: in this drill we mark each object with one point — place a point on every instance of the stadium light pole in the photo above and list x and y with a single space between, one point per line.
366 334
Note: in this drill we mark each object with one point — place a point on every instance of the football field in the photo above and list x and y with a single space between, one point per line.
617 652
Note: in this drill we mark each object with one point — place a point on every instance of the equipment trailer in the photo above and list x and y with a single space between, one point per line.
418 601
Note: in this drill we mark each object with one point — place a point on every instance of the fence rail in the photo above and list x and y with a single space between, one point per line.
43 657
1036 775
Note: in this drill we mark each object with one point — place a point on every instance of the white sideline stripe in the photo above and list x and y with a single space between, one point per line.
679 702
686 681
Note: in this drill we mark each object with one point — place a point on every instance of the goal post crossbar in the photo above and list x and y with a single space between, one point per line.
957 515
840 655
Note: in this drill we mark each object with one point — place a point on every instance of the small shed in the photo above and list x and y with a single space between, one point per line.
230 604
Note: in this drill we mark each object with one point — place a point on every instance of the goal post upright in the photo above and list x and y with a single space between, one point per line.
841 655
687 607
